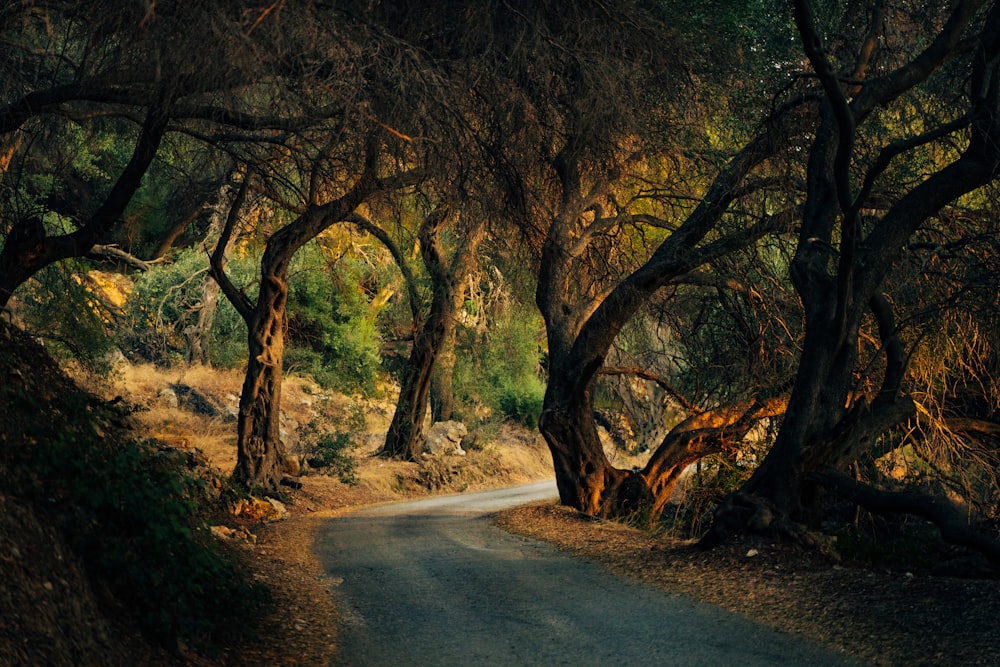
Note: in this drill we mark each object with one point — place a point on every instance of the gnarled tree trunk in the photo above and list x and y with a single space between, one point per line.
825 426
404 439
260 452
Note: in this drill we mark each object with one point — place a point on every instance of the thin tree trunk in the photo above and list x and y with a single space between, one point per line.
404 439
198 333
405 436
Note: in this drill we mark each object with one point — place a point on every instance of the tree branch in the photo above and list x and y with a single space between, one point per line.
652 377
950 519
217 260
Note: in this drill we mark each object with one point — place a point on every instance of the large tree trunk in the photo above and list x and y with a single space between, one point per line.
586 479
580 330
260 451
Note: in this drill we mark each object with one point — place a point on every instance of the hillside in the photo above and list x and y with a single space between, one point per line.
58 607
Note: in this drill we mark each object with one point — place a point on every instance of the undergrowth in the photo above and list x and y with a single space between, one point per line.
134 515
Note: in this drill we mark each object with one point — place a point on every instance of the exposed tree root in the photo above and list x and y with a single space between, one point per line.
742 513
950 518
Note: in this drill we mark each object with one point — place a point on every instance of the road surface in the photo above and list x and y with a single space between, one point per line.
433 582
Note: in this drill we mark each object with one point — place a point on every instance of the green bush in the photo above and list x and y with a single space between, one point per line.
137 519
501 368
522 402
166 300
332 335
56 306
331 448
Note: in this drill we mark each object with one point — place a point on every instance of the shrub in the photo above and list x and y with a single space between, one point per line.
57 307
166 300
522 402
332 335
331 448
501 368
137 519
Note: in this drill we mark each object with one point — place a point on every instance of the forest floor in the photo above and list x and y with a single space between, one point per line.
880 614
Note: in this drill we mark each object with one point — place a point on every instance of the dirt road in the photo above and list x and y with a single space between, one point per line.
435 583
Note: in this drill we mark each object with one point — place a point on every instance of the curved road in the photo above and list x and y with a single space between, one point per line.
433 582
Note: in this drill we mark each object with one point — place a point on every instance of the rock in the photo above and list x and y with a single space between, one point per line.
279 507
168 397
260 511
230 413
234 534
446 438
194 400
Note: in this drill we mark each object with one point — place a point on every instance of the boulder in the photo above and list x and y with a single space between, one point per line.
446 438
168 397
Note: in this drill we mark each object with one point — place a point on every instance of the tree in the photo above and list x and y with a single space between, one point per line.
435 331
852 233
343 158
259 449
604 188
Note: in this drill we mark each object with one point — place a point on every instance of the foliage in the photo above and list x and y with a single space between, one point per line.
713 479
331 448
500 368
166 300
59 307
332 334
137 518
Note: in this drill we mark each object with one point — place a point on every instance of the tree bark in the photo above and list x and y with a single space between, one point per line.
404 439
28 249
442 379
197 333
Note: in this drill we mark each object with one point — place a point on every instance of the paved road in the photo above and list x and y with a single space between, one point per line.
435 583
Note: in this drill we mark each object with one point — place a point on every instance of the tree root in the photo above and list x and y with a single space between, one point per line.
950 519
742 513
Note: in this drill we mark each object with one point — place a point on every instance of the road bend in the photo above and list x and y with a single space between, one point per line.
434 582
